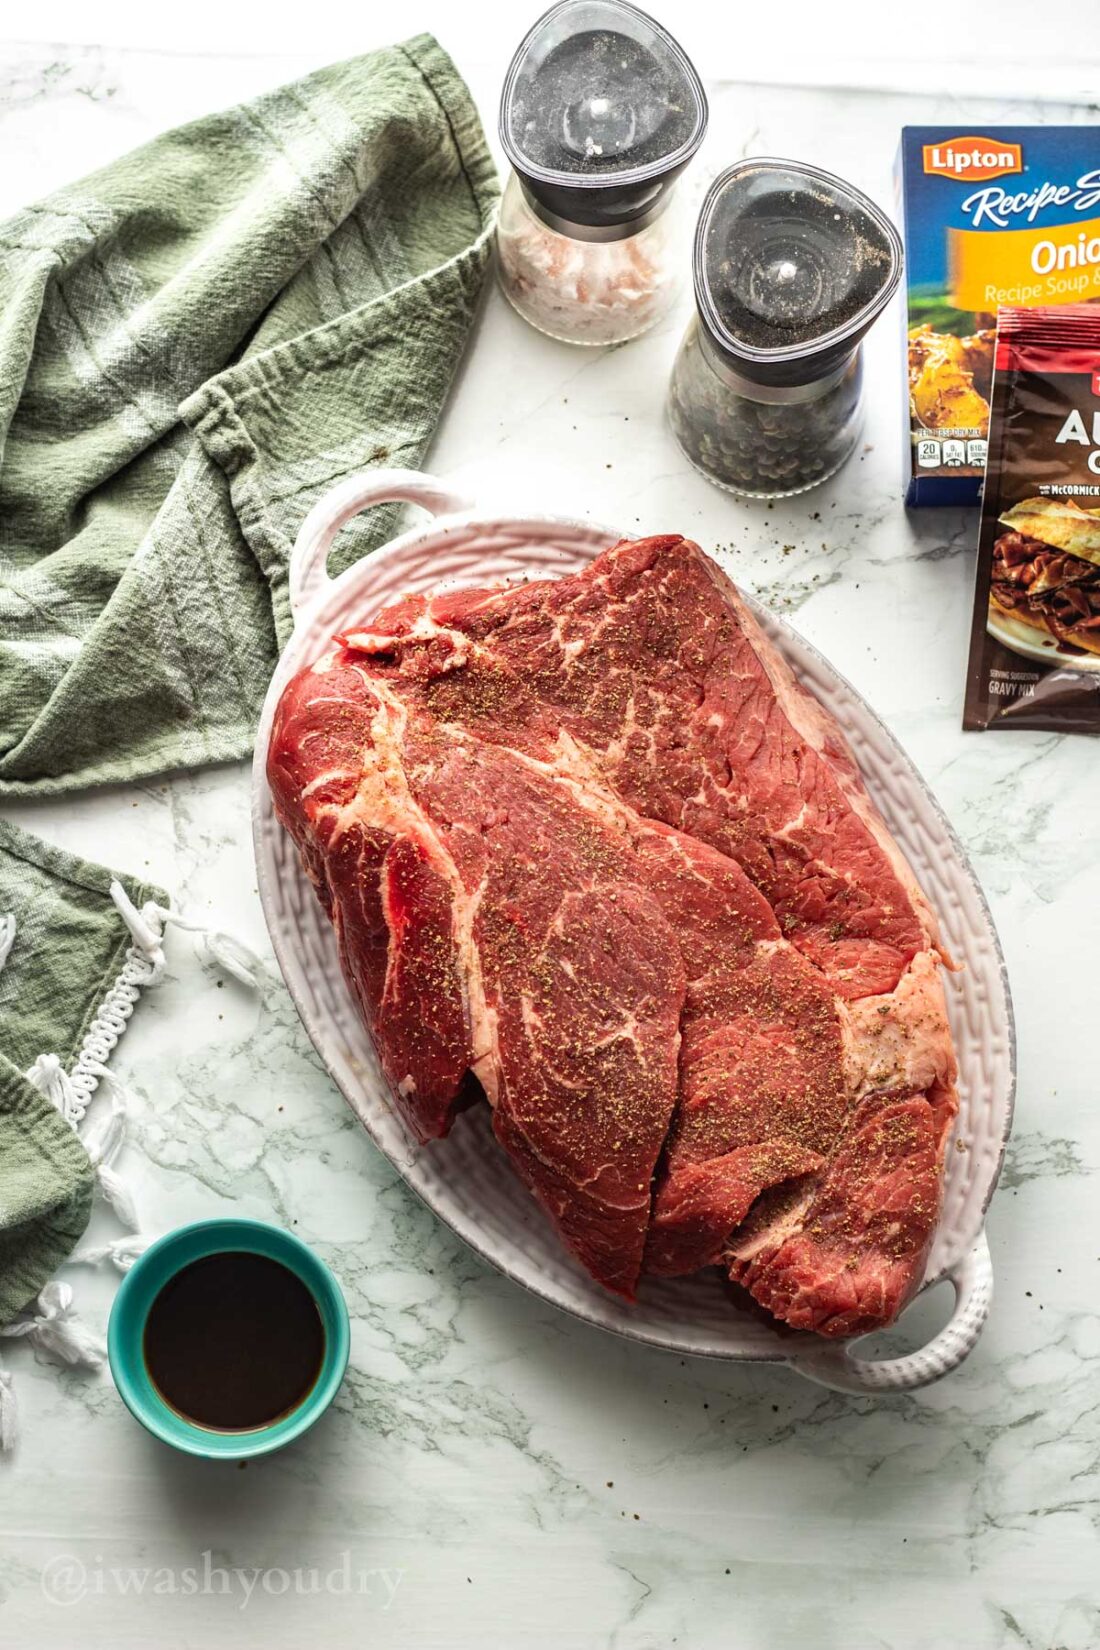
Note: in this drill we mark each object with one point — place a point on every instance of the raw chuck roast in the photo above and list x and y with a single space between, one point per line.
587 844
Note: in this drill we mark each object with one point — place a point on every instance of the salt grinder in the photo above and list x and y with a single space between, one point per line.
600 113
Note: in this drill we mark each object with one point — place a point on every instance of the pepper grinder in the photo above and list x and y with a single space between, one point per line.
791 268
600 113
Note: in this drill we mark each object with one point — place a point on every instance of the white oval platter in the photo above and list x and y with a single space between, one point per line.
466 1179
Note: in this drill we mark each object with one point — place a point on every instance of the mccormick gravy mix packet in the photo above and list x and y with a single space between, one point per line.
1007 215
1035 645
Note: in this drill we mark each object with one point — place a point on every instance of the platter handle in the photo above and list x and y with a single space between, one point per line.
832 1363
308 574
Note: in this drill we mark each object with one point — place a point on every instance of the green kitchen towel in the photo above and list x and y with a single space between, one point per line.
195 343
68 960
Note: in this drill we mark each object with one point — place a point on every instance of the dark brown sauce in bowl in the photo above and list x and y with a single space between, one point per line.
234 1342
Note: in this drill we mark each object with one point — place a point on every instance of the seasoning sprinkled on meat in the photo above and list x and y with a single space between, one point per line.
591 850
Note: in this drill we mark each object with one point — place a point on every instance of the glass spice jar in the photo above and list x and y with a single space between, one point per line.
600 113
791 268
762 440
581 291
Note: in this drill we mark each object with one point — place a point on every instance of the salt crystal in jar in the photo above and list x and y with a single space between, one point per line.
791 268
601 112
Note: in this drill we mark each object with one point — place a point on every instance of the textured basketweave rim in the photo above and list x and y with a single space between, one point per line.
466 1179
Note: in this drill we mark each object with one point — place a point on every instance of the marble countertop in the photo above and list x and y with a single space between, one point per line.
494 1473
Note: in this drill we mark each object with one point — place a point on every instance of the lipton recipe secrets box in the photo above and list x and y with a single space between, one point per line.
1006 215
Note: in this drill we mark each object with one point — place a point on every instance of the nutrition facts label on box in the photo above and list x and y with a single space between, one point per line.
949 454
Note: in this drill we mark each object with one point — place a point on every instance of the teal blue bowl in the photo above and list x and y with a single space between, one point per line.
143 1283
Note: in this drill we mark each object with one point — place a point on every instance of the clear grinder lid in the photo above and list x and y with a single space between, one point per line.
600 113
792 266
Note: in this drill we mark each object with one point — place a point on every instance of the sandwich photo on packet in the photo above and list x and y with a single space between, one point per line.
1035 644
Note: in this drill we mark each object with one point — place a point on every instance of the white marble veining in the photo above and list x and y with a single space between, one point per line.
496 1473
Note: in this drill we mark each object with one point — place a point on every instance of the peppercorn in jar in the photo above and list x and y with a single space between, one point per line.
791 268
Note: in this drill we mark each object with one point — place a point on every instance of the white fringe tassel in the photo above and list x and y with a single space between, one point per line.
7 936
147 928
50 1078
103 1136
120 1251
56 1330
